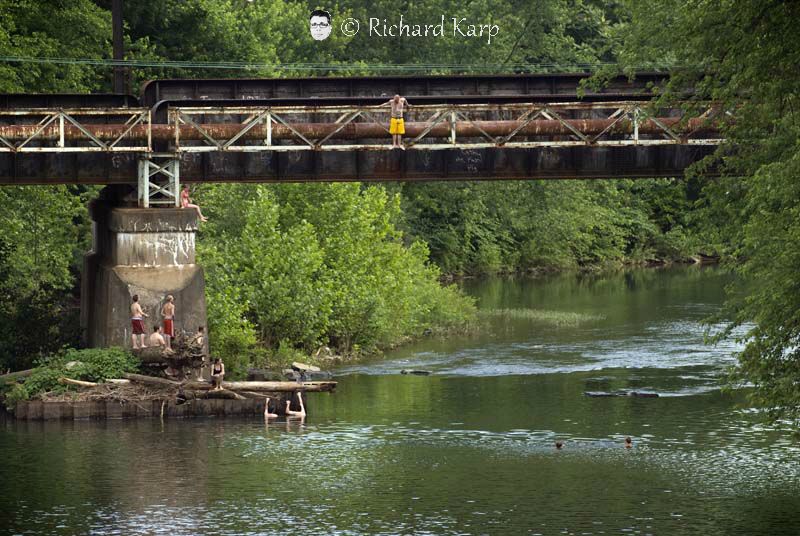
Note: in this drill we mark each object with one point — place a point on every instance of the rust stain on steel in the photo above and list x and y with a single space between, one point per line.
225 131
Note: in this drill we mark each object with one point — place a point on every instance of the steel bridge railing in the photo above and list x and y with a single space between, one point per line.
348 128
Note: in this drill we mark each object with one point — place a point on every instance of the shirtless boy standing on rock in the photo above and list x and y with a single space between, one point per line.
137 323
168 312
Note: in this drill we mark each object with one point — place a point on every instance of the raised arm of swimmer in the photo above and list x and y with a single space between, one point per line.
301 413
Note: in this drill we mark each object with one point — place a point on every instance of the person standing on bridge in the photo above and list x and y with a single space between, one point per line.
396 125
168 312
186 202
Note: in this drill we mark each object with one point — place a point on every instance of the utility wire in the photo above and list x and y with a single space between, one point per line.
241 65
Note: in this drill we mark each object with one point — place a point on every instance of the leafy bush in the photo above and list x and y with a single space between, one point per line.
17 393
293 267
45 379
94 365
99 364
286 354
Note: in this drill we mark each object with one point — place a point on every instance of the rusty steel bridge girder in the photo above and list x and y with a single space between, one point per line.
539 84
230 128
347 143
577 162
356 131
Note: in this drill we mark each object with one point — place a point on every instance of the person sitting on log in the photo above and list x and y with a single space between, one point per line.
267 413
301 413
217 374
156 339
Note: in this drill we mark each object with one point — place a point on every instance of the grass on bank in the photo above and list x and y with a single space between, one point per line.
560 319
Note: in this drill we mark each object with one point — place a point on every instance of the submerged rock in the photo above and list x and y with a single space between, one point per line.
639 394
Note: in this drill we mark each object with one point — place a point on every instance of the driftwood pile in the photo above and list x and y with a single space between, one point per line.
183 360
138 387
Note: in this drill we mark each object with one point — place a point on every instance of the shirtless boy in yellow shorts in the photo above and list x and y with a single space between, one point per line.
396 125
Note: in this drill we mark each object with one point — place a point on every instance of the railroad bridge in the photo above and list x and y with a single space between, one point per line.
476 127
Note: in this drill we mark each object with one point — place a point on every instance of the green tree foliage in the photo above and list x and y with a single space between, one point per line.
744 55
53 28
512 226
316 264
269 33
42 236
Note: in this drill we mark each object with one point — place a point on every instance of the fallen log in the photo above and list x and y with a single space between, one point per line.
151 380
152 354
221 393
16 375
118 381
79 383
251 394
271 387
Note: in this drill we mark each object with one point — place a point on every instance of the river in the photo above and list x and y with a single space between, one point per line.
466 450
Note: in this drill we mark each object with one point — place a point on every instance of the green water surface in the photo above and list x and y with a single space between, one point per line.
467 450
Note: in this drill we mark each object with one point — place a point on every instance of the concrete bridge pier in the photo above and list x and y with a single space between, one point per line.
144 251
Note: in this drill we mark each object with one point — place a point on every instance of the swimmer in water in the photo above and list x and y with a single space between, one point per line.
628 443
559 444
267 413
301 413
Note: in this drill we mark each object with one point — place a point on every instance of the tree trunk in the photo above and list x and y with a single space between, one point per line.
79 383
270 387
222 393
152 380
16 375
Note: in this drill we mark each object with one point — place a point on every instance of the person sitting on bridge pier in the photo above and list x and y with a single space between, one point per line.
301 413
396 125
137 323
186 202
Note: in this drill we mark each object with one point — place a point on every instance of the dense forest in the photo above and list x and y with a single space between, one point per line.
359 267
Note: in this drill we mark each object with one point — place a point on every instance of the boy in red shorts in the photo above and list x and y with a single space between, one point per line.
137 323
168 312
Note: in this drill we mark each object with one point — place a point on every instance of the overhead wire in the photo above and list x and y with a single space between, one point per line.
374 67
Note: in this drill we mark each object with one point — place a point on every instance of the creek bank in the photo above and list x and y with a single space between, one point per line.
537 271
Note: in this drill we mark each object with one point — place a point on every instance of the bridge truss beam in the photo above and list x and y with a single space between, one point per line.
344 143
